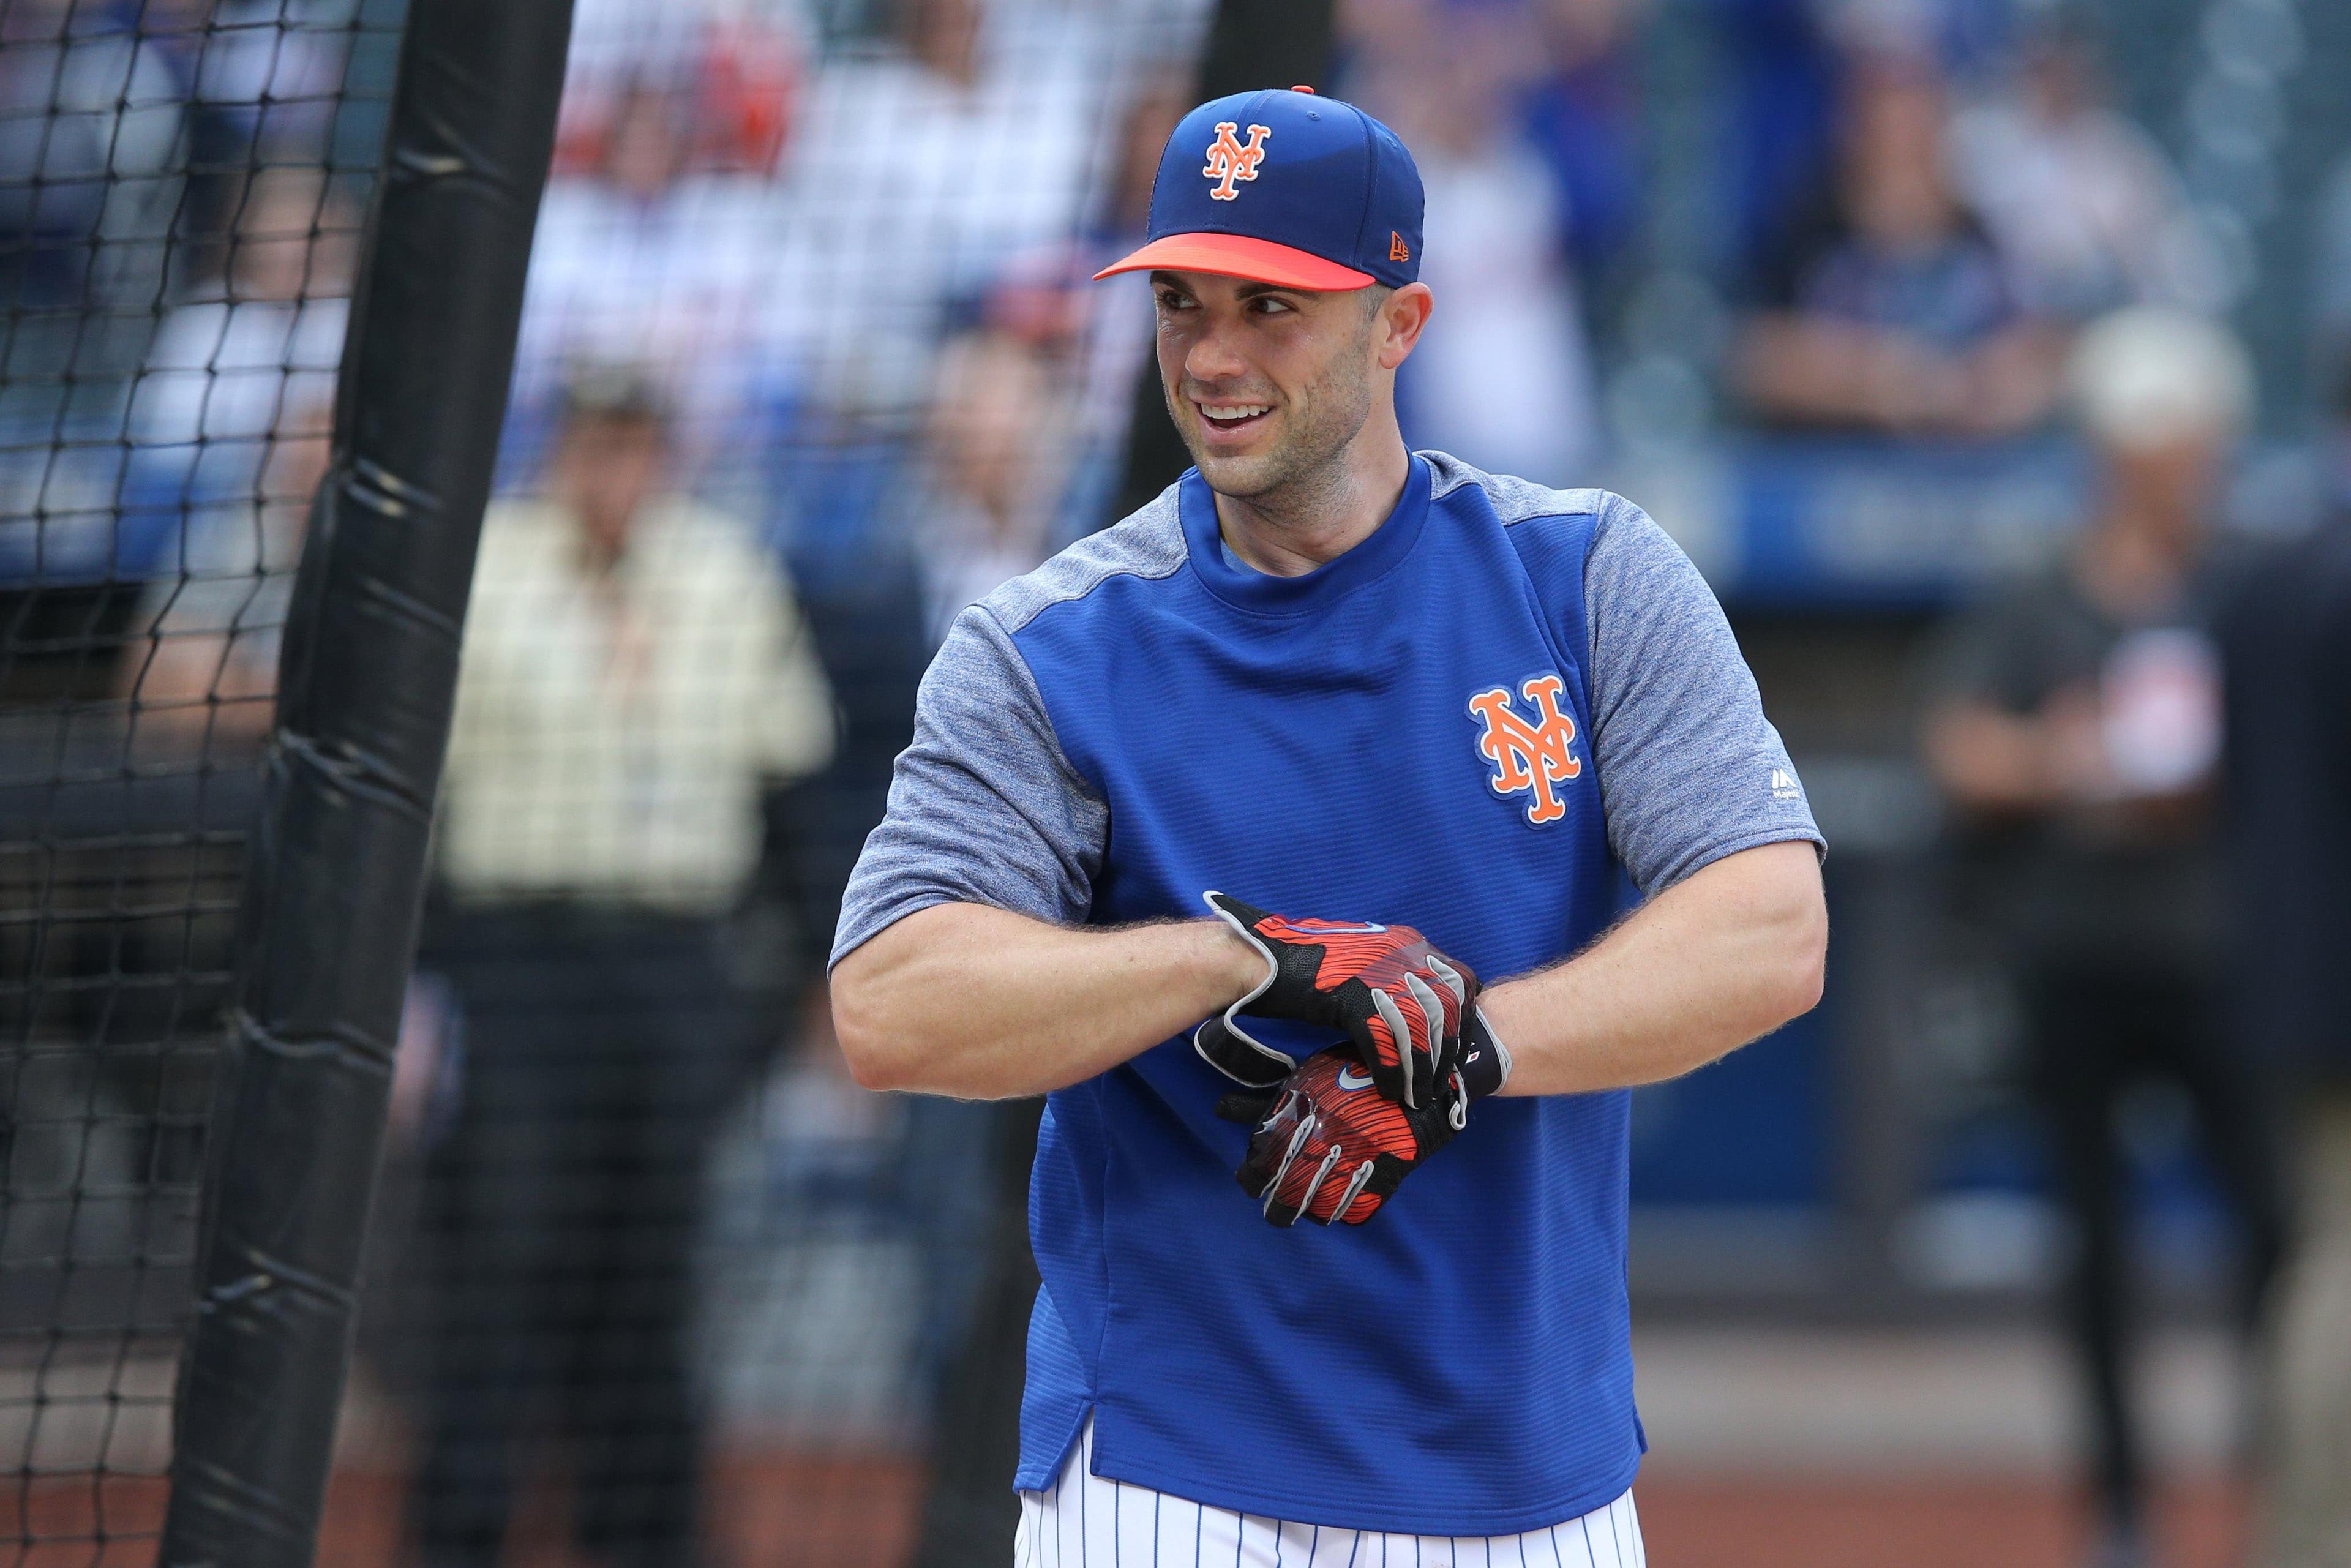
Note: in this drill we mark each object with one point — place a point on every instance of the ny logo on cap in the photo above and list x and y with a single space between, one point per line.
1229 161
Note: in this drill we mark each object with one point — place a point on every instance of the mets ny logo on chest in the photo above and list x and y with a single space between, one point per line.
1531 759
1229 159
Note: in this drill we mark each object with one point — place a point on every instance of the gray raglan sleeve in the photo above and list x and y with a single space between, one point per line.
1690 770
984 808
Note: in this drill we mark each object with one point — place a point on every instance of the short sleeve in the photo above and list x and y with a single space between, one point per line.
983 807
1690 770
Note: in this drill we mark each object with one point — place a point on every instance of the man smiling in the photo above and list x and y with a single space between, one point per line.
1361 686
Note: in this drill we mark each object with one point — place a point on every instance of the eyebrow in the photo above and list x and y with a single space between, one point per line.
1247 290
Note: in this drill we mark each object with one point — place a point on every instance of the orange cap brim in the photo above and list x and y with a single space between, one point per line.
1239 256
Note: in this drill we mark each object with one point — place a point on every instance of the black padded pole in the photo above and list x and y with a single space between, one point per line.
335 870
1253 44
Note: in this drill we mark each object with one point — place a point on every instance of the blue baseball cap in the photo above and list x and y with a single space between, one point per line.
1285 188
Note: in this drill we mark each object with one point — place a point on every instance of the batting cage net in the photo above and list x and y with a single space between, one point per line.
180 192
807 360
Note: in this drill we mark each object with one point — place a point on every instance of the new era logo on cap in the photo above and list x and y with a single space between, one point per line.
1285 188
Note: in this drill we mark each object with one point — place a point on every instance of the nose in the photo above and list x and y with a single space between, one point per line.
1212 355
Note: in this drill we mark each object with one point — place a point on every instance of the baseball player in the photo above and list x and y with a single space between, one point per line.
1280 830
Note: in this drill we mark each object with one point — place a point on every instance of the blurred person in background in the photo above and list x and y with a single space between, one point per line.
262 78
2330 272
201 668
635 676
997 454
2082 201
929 159
1884 307
2287 641
227 365
744 65
1116 333
90 119
2074 725
1584 114
656 253
1507 384
236 404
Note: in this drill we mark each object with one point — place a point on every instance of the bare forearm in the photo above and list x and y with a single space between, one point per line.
1806 368
1988 760
962 1000
1731 953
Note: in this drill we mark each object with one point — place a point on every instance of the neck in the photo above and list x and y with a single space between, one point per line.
603 538
1315 518
2131 568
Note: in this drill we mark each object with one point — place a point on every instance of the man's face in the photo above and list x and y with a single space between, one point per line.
604 468
1266 384
2167 489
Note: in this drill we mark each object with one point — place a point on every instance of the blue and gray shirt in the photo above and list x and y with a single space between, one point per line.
1480 721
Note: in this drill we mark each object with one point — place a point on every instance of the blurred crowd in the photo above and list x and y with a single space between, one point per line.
808 361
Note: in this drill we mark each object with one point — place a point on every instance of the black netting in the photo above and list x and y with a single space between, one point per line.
806 363
181 190
808 359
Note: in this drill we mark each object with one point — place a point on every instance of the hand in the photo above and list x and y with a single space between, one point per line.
1327 1148
1399 1001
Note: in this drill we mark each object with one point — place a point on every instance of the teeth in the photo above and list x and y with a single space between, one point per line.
1239 411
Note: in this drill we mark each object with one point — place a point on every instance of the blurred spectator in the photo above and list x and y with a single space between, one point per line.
265 76
925 163
1885 307
2082 201
236 404
2288 648
1564 78
262 79
635 673
228 366
1778 128
998 454
1582 116
742 66
653 258
1505 381
89 128
2075 726
1119 317
205 678
2330 271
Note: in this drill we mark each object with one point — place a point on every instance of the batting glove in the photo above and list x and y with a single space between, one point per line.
1325 1148
1398 1000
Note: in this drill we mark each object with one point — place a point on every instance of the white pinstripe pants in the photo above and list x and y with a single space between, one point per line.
1084 1522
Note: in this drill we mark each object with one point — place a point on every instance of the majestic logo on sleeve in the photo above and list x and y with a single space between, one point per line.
1230 160
1529 758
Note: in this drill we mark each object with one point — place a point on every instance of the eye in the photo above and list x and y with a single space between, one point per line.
1272 304
1171 301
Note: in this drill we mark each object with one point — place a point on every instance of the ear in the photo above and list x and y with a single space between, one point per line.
1403 314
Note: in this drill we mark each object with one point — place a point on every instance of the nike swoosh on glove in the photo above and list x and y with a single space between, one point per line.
1399 1001
1326 1146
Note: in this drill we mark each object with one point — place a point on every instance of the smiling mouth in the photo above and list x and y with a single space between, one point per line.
1234 416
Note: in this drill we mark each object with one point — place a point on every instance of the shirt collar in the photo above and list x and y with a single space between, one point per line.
1243 586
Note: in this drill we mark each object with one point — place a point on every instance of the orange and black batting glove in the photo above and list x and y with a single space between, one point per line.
1400 1002
1325 1145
